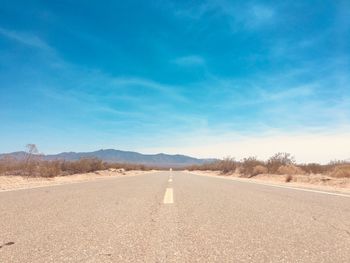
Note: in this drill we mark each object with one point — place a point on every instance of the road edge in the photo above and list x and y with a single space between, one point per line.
270 184
102 178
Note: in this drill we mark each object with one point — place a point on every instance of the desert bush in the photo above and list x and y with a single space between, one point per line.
211 166
278 160
9 164
290 170
49 168
341 171
314 168
37 167
227 165
247 165
84 165
259 169
203 167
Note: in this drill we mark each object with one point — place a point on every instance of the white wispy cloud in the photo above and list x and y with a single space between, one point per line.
104 94
192 12
107 100
247 15
25 38
169 91
91 77
285 94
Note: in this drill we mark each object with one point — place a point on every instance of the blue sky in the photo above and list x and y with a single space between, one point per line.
205 78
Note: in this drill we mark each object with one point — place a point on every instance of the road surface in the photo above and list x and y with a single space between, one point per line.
173 217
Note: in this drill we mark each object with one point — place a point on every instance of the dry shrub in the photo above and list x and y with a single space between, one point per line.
226 165
290 170
49 168
248 165
341 171
9 164
314 168
212 166
259 169
85 165
278 160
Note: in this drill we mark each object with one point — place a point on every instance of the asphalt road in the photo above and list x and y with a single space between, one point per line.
173 217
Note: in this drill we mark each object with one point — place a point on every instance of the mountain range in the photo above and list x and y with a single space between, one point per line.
118 156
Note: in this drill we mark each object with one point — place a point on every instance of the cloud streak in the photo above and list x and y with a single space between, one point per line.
25 38
250 15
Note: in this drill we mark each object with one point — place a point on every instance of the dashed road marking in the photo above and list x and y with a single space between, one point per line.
168 196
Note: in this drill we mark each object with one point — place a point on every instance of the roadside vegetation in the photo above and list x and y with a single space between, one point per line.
278 164
41 168
32 165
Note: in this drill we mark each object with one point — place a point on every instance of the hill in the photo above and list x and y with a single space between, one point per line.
111 155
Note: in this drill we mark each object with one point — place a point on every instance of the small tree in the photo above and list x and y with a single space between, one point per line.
29 159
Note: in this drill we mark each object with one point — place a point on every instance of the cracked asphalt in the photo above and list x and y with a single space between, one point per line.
208 220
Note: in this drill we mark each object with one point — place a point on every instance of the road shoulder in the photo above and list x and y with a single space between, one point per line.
294 186
13 183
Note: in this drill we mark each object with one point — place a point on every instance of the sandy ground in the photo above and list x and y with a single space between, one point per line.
18 182
314 181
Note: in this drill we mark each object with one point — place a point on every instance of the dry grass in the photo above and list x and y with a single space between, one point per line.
315 168
227 165
341 171
290 170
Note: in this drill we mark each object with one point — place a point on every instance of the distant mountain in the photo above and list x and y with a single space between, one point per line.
110 155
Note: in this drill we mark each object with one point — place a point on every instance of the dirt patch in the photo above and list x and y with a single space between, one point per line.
316 181
9 182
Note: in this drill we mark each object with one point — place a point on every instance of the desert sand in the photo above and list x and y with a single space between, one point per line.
314 181
9 182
